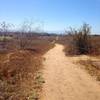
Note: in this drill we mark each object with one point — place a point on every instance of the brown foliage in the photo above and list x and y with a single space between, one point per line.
18 69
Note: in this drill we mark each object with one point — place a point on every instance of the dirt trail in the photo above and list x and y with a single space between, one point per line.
65 80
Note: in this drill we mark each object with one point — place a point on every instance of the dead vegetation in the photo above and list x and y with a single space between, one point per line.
20 63
92 66
15 74
19 79
82 42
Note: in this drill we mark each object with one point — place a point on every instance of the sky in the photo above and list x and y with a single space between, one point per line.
52 15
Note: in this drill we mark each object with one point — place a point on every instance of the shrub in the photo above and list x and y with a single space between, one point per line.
81 42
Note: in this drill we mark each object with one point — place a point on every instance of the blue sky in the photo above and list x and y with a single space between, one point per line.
55 15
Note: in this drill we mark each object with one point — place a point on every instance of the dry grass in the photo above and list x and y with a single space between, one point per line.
17 74
71 50
93 67
95 41
20 78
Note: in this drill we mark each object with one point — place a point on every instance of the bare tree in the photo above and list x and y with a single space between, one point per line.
26 29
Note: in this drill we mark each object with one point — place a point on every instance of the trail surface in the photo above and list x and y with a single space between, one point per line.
65 80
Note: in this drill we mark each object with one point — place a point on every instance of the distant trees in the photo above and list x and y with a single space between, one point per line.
4 32
5 28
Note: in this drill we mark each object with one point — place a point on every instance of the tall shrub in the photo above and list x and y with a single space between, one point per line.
82 40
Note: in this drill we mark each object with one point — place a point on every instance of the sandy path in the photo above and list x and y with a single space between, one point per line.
65 80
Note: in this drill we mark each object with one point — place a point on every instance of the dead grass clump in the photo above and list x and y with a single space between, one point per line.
17 75
93 67
95 41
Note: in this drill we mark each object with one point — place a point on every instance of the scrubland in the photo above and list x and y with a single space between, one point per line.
21 59
20 63
84 48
